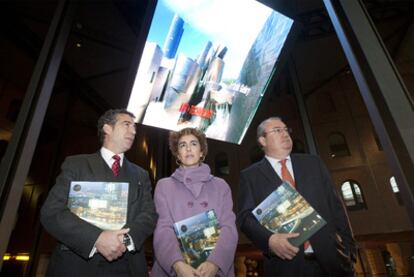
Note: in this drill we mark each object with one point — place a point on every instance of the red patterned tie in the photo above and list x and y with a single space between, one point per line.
116 165
286 176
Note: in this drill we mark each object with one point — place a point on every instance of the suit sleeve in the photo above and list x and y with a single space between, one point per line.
223 253
166 248
340 217
60 222
249 225
145 217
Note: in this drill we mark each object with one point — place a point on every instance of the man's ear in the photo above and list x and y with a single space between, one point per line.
262 141
107 128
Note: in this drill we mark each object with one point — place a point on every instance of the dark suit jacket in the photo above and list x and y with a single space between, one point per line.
77 237
314 183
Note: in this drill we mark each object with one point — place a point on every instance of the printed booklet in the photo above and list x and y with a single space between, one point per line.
286 211
198 236
103 204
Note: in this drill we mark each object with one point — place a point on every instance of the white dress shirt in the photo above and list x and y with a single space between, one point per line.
107 156
277 166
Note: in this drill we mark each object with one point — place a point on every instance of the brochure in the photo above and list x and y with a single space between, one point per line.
286 211
103 204
198 236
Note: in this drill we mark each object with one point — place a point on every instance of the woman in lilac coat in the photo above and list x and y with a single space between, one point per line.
190 190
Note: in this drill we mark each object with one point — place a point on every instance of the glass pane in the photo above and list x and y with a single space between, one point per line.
394 185
23 32
338 145
347 194
21 39
358 194
350 202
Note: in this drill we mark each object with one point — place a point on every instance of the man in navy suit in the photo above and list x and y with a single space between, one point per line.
332 249
83 248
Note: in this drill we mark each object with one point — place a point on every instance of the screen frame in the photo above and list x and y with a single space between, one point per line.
280 63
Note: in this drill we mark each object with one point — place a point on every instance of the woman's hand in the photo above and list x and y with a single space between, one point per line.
184 270
208 269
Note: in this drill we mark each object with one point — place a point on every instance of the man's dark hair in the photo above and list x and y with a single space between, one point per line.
110 117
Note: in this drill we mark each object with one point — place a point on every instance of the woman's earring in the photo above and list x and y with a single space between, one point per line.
178 162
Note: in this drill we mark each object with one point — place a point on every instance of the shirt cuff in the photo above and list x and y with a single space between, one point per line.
128 241
93 251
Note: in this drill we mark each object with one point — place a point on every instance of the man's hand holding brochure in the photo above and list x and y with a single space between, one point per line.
286 212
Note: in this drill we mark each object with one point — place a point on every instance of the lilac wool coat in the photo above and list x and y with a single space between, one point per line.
187 192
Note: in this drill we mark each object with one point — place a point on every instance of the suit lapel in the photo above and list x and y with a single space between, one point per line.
297 171
268 171
300 172
133 180
98 165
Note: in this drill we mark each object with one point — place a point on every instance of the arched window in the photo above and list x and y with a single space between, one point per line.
338 146
352 195
396 190
221 162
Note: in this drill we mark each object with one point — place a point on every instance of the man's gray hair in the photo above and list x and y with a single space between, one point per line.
261 127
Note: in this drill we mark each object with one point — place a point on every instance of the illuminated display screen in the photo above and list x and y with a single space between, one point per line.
207 64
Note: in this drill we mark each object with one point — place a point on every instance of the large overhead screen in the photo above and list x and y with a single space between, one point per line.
207 64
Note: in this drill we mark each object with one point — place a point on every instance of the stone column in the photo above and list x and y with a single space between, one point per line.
402 253
375 263
359 269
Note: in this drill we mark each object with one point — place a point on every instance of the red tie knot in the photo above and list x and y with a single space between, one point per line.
116 165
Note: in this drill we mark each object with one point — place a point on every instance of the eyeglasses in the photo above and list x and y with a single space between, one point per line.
279 130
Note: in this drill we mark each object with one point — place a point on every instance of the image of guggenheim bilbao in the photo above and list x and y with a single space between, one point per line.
173 91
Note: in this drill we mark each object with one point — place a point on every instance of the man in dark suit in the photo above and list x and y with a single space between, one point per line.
331 251
84 249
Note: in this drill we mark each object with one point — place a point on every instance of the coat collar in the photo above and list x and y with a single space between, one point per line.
97 164
268 171
193 178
